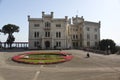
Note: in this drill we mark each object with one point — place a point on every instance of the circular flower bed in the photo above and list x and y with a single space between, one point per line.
42 58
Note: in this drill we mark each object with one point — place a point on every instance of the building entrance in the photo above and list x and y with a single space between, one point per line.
47 44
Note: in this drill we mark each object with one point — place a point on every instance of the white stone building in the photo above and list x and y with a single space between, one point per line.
61 33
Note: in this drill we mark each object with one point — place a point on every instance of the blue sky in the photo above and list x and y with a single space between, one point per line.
106 11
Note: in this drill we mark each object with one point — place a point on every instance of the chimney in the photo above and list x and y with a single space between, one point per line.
66 17
28 17
82 17
52 13
99 24
70 21
43 13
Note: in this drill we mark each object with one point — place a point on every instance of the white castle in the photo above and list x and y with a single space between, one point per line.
62 33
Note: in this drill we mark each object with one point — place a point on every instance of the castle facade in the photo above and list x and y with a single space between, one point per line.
62 33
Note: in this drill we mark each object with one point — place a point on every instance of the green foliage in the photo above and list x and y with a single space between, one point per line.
10 40
117 49
107 44
10 29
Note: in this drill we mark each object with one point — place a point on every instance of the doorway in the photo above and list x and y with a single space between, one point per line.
47 44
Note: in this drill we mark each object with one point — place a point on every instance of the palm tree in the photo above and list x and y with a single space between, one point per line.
10 29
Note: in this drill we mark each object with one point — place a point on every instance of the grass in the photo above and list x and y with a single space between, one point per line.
45 56
41 61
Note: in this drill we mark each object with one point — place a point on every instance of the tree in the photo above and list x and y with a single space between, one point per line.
0 41
107 44
10 29
0 30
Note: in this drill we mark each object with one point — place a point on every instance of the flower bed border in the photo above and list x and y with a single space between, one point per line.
67 57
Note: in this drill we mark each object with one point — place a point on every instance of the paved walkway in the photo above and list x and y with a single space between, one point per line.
97 67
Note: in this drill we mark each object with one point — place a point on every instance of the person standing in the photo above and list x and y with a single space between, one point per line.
88 55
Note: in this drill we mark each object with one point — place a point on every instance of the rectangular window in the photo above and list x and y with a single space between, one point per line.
73 44
80 36
95 29
47 34
36 43
58 34
73 36
77 44
47 24
88 44
76 29
88 29
96 44
76 36
80 43
36 34
58 25
58 44
36 25
96 36
88 37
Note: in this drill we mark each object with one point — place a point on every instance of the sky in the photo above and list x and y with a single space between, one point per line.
106 11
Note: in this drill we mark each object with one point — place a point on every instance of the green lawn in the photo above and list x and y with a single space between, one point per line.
45 56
